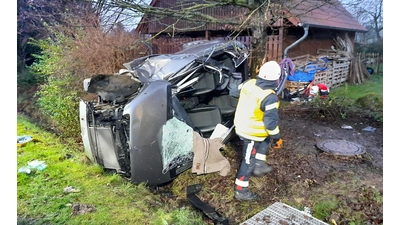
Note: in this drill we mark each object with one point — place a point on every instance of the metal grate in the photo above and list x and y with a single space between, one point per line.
282 214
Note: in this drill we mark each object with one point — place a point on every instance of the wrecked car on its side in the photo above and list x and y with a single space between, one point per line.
142 123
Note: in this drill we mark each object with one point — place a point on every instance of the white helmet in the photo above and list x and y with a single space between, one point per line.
270 71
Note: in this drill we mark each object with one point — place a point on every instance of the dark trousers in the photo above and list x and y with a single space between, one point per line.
250 149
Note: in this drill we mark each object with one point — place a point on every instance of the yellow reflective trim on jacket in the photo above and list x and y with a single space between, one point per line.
249 123
273 132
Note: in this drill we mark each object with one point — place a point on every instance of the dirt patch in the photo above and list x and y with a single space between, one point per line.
344 188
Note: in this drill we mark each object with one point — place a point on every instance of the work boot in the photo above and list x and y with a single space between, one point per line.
261 169
245 195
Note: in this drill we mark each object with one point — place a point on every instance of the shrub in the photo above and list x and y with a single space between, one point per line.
61 105
56 97
48 62
25 77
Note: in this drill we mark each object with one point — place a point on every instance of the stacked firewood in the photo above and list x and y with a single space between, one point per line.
358 72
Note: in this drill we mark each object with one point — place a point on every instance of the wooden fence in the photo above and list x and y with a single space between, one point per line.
372 60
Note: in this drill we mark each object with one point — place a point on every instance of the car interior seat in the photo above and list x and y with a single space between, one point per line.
226 103
211 105
180 113
201 117
205 118
206 84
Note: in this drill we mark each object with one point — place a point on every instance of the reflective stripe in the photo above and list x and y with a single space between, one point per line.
261 156
271 106
273 132
248 152
242 183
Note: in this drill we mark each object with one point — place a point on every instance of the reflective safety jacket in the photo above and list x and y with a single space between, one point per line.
249 118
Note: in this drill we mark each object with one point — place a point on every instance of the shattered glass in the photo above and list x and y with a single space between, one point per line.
177 144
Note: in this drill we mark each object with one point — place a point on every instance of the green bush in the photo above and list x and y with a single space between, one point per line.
57 97
61 105
25 77
48 62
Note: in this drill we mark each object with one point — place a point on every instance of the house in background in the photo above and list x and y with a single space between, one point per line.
325 22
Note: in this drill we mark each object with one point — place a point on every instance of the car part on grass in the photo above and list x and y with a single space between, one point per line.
209 211
34 165
142 123
341 147
24 139
281 213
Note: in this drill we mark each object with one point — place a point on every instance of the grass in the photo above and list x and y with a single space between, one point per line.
41 199
365 99
367 96
373 85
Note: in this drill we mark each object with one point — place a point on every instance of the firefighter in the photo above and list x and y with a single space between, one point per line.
256 124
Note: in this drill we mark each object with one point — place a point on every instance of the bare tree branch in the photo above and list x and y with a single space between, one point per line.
369 13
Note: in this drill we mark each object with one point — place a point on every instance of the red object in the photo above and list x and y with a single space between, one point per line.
308 88
323 87
323 90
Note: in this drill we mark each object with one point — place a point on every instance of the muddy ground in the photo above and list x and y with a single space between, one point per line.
303 174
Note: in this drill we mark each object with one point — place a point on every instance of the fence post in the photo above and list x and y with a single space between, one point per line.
378 64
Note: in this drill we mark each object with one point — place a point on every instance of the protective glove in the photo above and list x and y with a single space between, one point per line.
276 143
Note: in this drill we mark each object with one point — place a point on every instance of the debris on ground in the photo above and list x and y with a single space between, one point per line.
78 209
70 189
346 127
207 209
24 170
24 139
369 129
33 165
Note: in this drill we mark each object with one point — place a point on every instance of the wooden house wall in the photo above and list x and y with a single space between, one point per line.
316 39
